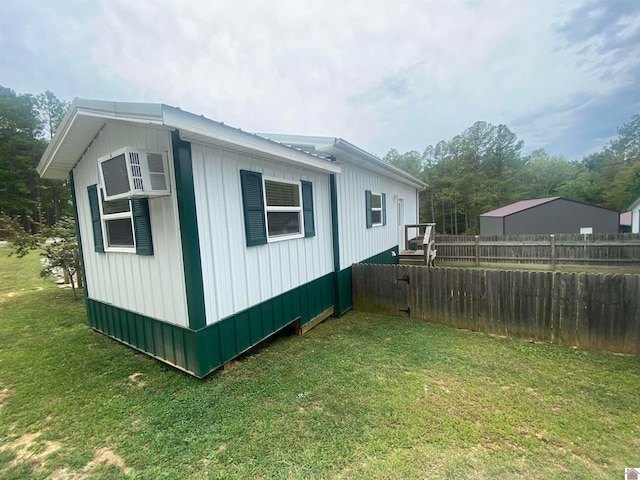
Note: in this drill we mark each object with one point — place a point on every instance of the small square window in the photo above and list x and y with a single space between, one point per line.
376 209
283 206
117 223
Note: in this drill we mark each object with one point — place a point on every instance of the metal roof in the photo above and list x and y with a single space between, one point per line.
518 207
345 151
86 118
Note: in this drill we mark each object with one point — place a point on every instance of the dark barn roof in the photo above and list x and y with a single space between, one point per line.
518 207
527 204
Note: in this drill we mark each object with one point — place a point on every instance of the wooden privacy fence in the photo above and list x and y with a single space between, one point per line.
602 249
599 311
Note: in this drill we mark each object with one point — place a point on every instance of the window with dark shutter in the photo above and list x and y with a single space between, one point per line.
96 223
384 209
253 205
375 204
307 208
142 226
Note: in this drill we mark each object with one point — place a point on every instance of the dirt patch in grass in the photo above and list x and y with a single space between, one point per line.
31 451
4 394
102 456
134 378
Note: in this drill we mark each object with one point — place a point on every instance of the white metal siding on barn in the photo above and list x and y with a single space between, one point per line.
357 242
236 277
148 285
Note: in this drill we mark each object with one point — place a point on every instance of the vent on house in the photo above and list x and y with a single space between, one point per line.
131 173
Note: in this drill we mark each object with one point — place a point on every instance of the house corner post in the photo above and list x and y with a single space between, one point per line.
186 200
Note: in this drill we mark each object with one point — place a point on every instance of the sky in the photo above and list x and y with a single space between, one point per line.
403 74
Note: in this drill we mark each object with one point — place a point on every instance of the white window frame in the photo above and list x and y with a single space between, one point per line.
298 209
106 217
376 209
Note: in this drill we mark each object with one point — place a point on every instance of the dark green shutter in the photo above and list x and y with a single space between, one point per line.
98 242
367 202
142 226
307 209
253 203
384 209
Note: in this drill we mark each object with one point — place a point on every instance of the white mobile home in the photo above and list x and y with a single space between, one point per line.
200 240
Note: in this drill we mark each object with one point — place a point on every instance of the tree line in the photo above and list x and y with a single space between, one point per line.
476 171
27 123
483 168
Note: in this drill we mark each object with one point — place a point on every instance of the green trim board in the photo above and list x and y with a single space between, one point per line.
343 285
76 217
388 257
186 199
199 352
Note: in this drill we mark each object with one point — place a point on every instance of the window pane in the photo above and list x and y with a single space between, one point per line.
376 201
282 194
119 232
115 206
283 223
114 173
376 217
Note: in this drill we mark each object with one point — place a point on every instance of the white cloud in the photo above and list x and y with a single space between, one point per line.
380 73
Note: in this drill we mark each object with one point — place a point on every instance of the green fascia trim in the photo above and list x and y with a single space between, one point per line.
185 194
344 297
384 258
335 234
72 186
199 352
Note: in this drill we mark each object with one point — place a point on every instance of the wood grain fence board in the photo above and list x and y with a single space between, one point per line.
401 297
568 308
594 313
570 249
632 296
616 309
583 339
587 310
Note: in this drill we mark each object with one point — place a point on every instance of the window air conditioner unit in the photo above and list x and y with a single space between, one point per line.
132 173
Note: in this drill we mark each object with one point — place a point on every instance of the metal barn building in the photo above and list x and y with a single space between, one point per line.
549 215
199 240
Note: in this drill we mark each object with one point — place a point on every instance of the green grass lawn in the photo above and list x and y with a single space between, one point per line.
363 396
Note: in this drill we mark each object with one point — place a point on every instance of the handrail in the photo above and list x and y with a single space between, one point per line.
414 225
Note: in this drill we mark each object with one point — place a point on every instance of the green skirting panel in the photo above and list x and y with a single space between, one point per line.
199 352
344 299
171 343
231 336
388 257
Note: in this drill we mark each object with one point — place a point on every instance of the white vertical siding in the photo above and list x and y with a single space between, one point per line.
148 285
235 276
357 242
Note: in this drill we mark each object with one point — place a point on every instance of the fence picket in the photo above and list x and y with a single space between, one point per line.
588 310
570 249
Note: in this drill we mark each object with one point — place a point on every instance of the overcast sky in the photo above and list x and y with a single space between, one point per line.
401 74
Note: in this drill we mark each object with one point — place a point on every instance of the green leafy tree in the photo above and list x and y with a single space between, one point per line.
50 111
19 152
58 243
26 123
546 174
410 162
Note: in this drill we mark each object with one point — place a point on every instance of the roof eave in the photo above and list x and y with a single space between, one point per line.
93 114
85 118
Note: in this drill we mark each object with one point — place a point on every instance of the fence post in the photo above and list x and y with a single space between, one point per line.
477 250
552 239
